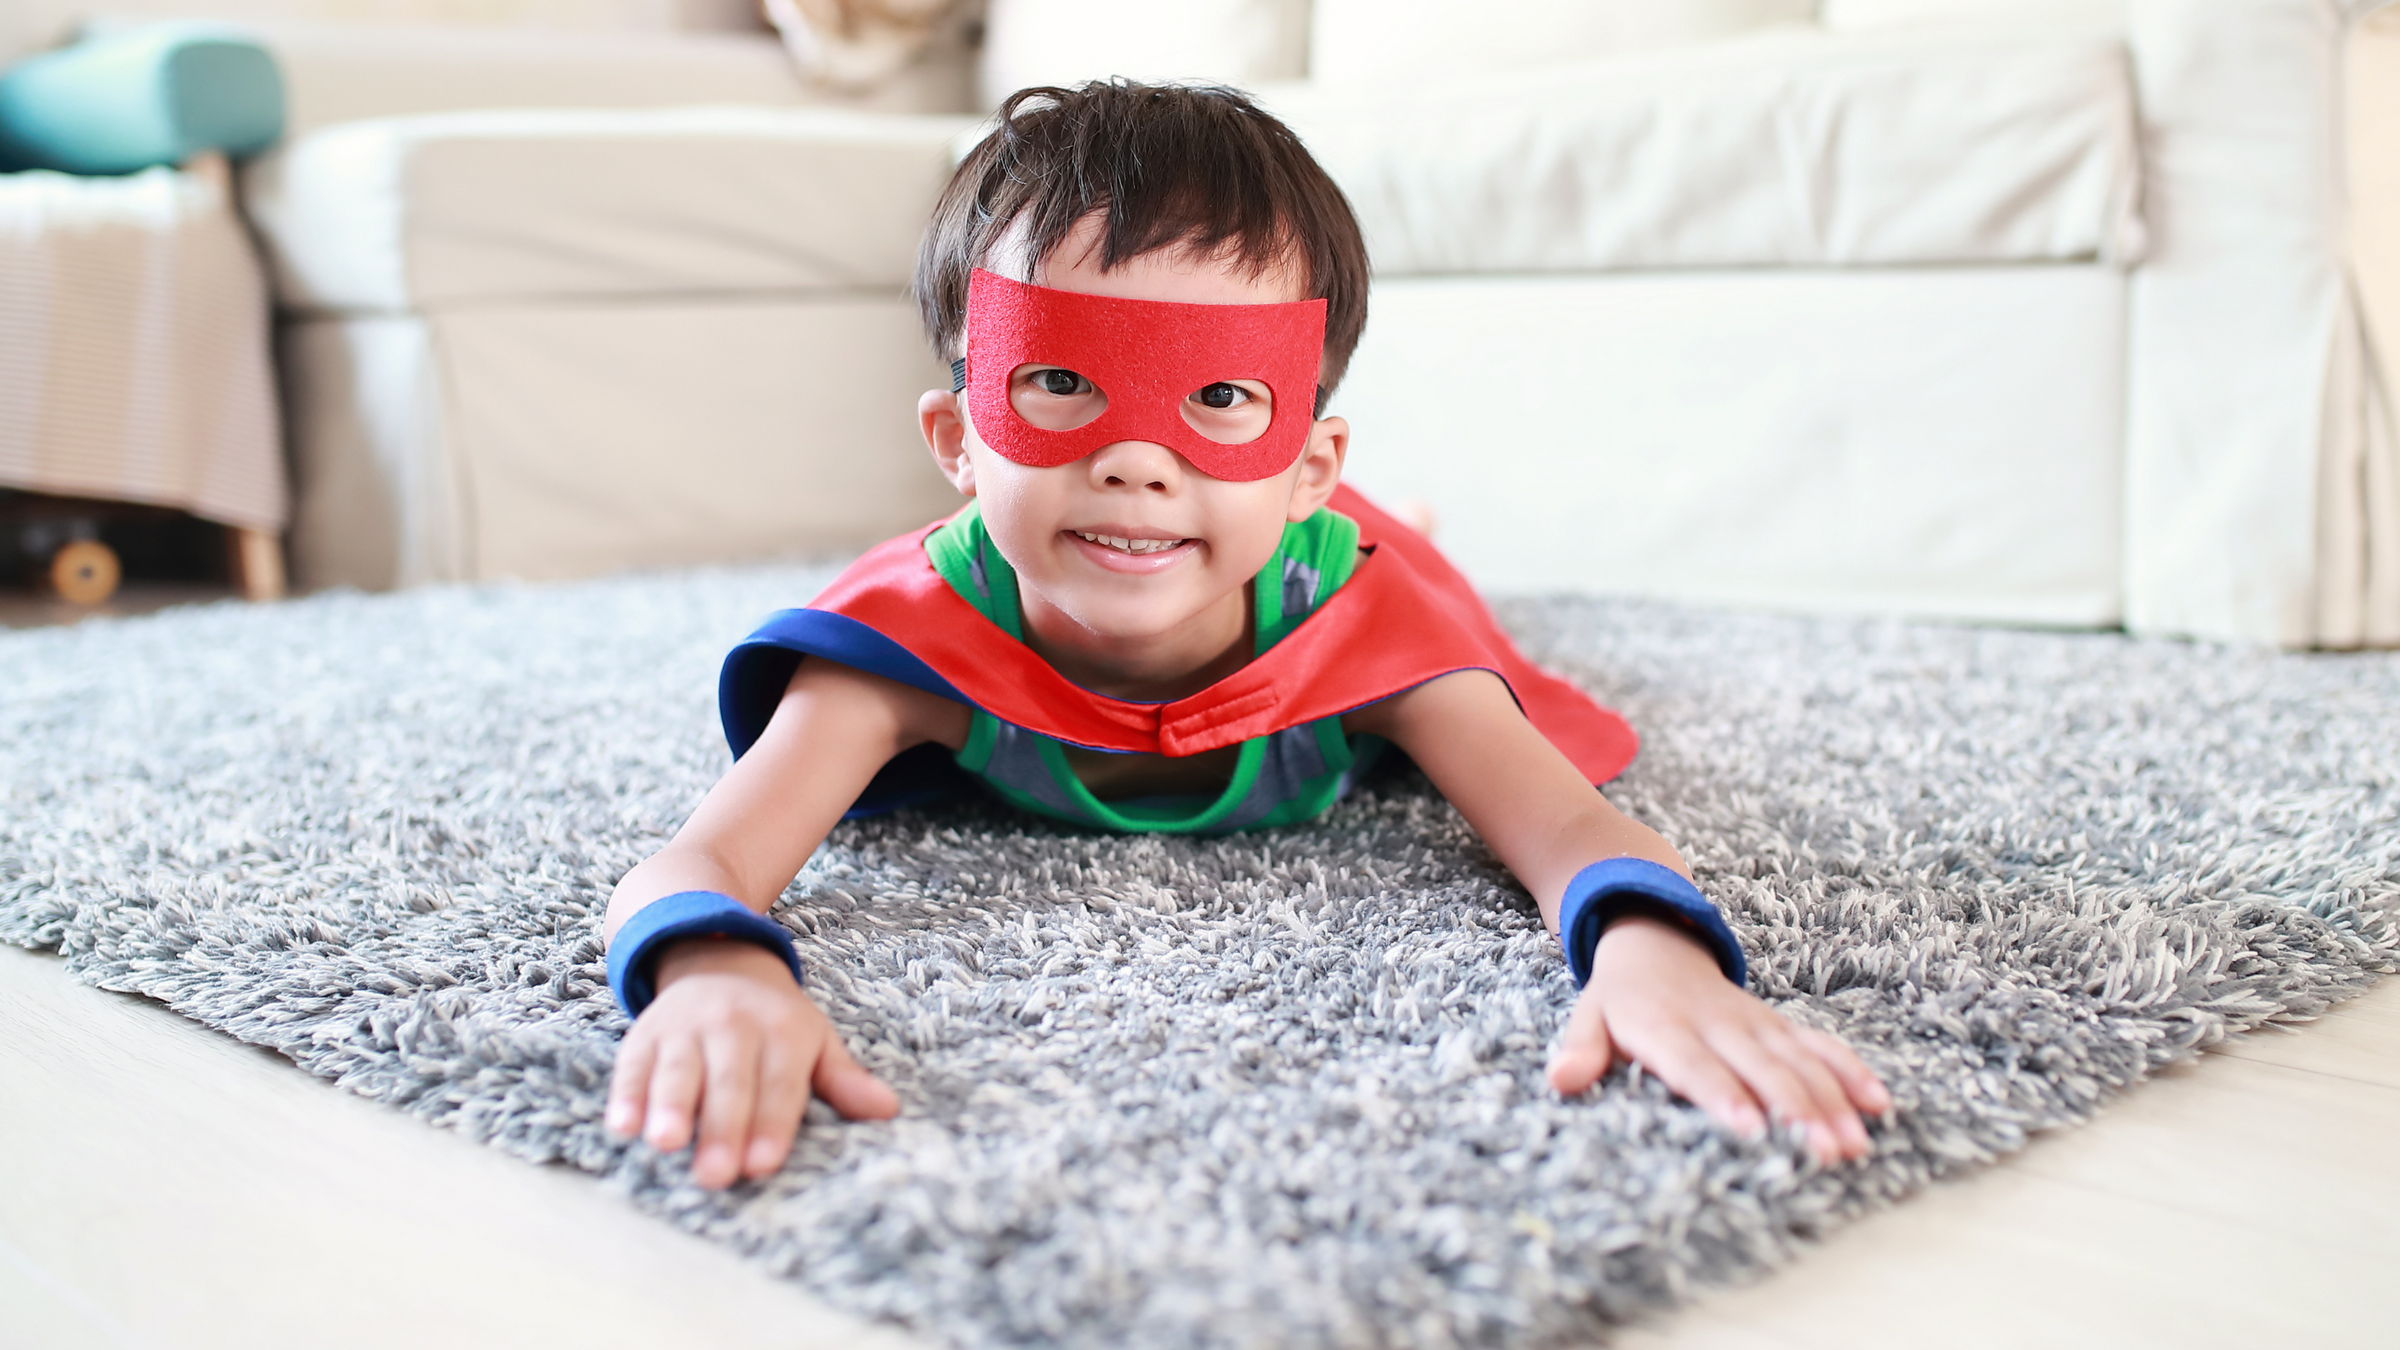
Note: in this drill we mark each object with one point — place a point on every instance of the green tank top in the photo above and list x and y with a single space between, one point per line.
1278 779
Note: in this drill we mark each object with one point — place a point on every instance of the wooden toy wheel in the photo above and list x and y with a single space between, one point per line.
85 572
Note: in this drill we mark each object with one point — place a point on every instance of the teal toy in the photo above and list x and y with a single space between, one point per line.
159 94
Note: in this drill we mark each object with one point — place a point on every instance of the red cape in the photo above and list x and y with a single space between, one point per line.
1405 616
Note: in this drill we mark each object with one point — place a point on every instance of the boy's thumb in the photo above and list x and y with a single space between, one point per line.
1584 1049
845 1085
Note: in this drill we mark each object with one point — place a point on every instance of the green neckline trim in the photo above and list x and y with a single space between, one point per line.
1130 818
963 553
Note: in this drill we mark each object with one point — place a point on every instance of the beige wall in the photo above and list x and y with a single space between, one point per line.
30 25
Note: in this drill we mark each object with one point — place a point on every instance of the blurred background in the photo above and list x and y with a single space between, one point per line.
2054 312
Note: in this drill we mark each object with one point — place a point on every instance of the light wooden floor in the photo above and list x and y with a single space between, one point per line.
161 1185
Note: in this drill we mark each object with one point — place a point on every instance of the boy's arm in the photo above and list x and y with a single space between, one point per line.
1656 993
730 1045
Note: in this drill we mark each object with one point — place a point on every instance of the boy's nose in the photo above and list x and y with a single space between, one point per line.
1137 464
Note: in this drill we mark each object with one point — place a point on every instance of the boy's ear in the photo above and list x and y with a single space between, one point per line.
944 425
1320 466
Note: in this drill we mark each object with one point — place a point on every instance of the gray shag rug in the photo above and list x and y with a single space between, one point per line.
1276 1089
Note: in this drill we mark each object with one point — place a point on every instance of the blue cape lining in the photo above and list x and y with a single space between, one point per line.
756 672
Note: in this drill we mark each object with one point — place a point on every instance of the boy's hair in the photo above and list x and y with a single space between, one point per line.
1173 166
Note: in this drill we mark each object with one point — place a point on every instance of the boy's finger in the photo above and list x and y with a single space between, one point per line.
1585 1049
1866 1090
847 1087
1833 1111
1700 1076
1785 1092
629 1084
726 1106
674 1091
782 1097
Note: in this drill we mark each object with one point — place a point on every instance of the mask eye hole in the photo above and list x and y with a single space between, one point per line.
1054 398
1230 412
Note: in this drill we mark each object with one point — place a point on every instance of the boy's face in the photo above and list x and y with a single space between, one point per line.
1131 544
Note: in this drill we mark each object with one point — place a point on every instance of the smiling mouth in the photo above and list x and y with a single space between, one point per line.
1135 547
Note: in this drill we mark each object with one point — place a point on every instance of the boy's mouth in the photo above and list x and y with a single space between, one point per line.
1134 547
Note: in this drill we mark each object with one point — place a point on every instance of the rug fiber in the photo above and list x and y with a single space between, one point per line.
1274 1089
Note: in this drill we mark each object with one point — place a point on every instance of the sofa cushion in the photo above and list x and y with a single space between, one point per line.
1788 148
417 212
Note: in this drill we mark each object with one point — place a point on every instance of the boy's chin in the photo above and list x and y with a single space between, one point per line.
1153 612
1131 623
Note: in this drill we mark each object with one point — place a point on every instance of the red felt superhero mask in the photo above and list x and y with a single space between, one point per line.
1146 357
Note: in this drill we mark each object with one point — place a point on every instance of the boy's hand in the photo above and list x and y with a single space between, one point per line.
734 1043
1657 997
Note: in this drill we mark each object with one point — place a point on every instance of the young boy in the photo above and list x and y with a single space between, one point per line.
1158 610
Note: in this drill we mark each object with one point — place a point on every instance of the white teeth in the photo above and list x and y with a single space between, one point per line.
1124 545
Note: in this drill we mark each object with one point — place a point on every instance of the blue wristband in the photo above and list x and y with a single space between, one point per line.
633 954
1607 891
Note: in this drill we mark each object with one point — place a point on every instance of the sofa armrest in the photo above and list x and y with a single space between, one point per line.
552 343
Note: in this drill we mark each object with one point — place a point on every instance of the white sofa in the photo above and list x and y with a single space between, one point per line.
2031 322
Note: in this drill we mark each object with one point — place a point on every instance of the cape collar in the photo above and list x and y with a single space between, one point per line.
1404 617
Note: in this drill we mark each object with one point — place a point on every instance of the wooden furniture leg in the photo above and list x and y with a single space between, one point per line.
258 564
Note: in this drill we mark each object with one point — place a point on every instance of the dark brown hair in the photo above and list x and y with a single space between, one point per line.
1173 166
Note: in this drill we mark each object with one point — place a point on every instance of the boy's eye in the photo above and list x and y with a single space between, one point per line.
1054 398
1230 412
